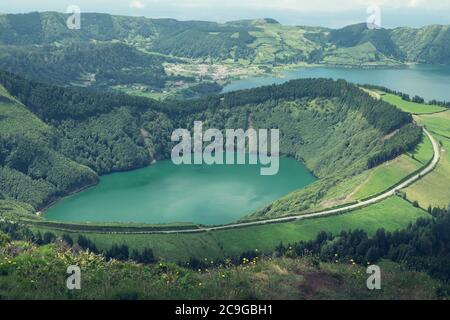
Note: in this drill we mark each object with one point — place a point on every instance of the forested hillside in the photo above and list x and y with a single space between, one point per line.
429 44
76 134
91 64
131 52
31 170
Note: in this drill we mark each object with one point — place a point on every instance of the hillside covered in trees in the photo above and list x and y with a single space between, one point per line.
111 52
69 136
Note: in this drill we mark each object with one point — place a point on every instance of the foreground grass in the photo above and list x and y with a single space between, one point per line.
391 214
30 272
411 107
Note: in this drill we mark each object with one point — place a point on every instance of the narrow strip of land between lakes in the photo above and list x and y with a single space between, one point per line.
328 212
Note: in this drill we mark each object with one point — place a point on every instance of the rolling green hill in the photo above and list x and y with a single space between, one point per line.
85 64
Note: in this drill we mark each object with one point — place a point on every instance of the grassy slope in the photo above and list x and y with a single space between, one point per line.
274 41
385 176
363 54
434 189
390 173
411 107
12 210
436 123
30 272
392 214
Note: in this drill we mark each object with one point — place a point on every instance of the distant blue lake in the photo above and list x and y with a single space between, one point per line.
427 81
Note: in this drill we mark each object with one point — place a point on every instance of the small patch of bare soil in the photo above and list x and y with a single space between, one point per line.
316 282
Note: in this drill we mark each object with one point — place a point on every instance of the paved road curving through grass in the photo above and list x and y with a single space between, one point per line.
324 213
329 212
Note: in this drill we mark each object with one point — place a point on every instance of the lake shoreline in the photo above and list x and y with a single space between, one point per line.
428 81
54 201
228 191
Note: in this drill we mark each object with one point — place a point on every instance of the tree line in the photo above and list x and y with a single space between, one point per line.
423 245
407 97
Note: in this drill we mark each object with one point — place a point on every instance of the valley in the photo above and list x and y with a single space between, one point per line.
86 118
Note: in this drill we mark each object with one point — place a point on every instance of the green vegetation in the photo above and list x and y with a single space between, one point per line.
55 140
88 64
365 54
16 119
404 140
30 171
433 190
389 174
428 44
411 107
326 267
40 273
392 214
95 133
132 53
385 176
421 246
423 152
437 123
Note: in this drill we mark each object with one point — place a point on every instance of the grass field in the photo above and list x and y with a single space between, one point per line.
434 189
411 107
391 214
437 123
388 174
362 54
39 273
385 176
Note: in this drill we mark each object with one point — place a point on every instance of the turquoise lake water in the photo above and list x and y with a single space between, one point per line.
164 193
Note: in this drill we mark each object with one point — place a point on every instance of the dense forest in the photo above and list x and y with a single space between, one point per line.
77 134
99 64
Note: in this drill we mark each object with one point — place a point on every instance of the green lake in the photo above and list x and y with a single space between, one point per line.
166 193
